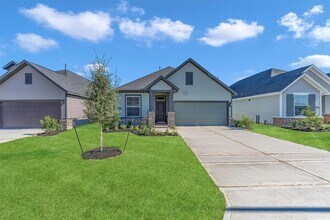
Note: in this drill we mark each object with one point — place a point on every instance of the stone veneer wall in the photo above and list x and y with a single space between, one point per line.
326 118
67 124
171 119
151 118
279 121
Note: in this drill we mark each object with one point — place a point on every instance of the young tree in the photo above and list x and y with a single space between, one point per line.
101 95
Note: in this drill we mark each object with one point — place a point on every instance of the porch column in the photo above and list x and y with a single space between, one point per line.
151 101
171 103
171 113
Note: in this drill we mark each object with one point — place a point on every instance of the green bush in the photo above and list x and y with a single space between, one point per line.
50 125
123 127
245 122
312 121
146 129
294 123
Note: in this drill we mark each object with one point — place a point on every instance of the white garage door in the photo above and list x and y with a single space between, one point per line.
201 113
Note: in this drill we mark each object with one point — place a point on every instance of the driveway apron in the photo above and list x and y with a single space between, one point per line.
263 177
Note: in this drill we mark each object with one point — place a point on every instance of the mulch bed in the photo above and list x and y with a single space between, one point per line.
49 134
97 154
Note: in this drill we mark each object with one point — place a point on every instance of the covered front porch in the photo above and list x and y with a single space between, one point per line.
161 104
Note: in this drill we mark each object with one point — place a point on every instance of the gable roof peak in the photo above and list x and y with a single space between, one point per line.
276 72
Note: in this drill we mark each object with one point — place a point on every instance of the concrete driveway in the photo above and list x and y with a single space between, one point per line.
13 134
263 177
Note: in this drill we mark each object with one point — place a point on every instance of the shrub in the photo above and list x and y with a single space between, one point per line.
50 124
145 130
312 121
245 122
294 123
123 127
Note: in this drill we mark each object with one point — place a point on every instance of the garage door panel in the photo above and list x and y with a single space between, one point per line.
201 113
28 114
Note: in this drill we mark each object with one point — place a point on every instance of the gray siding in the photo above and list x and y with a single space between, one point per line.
161 85
41 88
319 80
203 88
301 86
266 107
145 103
326 104
75 107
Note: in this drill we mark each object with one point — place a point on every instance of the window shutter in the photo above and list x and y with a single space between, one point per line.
311 101
289 105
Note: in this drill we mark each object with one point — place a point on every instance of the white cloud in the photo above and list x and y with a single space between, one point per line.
281 37
34 43
317 9
91 67
295 24
137 10
320 33
91 26
124 7
233 30
300 25
322 61
155 29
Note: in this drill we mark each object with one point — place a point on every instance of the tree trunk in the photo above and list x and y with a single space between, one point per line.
101 138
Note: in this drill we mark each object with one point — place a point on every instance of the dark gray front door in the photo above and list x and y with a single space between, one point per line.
160 109
201 113
27 114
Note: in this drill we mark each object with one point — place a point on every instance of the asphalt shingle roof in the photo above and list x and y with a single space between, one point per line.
143 82
71 82
262 83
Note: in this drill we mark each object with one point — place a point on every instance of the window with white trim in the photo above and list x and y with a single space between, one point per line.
300 104
133 106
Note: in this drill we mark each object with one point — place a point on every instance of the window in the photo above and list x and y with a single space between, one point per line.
28 78
133 106
300 104
189 78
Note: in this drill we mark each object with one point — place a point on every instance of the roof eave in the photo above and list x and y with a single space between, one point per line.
190 60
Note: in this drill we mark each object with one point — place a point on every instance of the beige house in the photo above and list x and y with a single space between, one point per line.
185 95
29 92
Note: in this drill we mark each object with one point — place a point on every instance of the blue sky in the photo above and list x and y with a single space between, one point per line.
232 39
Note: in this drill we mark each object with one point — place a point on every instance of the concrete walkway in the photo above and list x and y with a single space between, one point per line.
13 134
263 177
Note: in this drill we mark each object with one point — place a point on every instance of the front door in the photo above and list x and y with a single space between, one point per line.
160 109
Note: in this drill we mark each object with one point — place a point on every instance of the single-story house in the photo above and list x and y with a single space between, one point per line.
185 95
29 92
278 96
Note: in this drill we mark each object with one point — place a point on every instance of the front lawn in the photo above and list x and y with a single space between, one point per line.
155 178
314 139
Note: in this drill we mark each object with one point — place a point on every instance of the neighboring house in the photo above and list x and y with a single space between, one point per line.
186 95
29 92
278 96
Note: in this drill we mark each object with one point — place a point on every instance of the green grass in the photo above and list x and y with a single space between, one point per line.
155 178
314 139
